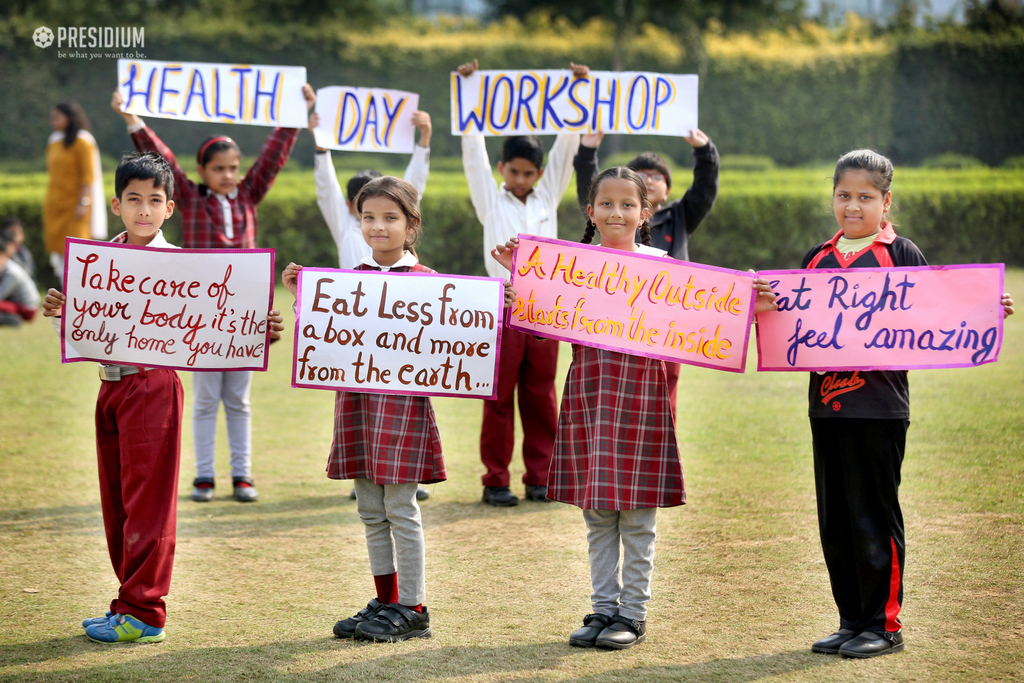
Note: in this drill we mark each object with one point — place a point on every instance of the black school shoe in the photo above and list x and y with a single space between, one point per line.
873 644
394 623
537 492
500 496
829 645
622 633
593 624
346 628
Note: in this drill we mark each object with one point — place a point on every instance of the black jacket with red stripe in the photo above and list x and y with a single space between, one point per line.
878 394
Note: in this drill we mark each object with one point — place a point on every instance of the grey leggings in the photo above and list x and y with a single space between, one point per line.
394 536
635 530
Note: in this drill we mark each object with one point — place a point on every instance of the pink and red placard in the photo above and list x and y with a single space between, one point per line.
185 309
882 318
644 305
419 334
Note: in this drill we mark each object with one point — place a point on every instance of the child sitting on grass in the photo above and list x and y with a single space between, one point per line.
19 299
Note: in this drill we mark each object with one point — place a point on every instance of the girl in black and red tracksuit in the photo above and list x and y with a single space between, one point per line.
859 424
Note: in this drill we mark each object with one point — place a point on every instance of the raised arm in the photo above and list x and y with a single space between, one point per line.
700 197
482 189
586 165
329 196
274 155
145 140
558 172
418 169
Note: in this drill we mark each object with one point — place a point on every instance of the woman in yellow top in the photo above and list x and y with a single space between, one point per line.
75 204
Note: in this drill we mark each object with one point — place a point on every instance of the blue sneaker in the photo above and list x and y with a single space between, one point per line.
123 628
92 621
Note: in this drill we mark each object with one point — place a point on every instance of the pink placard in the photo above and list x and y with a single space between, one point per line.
184 309
423 334
882 318
640 304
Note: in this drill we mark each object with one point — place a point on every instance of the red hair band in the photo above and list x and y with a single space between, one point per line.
221 138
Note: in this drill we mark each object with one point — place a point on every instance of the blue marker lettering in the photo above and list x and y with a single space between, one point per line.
272 94
164 89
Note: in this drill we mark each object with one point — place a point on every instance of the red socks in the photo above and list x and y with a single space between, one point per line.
387 591
387 588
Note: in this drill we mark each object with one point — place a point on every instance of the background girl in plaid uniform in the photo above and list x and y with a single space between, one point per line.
220 213
616 455
387 443
860 434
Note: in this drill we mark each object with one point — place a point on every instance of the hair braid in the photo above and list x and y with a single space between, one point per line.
645 232
588 234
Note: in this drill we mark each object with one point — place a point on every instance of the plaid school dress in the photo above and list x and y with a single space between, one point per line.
386 438
615 448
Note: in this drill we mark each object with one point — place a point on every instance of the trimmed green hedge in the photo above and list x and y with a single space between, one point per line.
764 220
961 92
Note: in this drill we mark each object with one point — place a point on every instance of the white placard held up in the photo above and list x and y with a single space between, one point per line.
419 334
547 102
366 119
186 309
249 94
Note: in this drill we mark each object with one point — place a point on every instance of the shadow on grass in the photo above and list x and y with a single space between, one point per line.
228 519
277 661
8 517
45 650
737 670
63 520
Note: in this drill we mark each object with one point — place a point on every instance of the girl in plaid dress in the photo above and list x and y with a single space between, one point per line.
387 443
616 455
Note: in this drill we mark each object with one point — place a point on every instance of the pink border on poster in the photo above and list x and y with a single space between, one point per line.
657 315
374 390
106 361
951 295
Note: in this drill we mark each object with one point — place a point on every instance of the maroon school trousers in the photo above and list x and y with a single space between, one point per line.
138 440
529 363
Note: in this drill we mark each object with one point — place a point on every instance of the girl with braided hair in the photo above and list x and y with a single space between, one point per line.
616 454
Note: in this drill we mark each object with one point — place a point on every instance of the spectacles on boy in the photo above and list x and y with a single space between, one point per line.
651 177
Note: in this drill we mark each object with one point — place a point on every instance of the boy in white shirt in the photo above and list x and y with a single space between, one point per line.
527 202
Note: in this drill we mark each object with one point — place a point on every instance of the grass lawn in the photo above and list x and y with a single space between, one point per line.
740 587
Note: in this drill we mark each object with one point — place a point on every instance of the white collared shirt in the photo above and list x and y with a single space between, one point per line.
408 259
503 215
225 207
643 249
